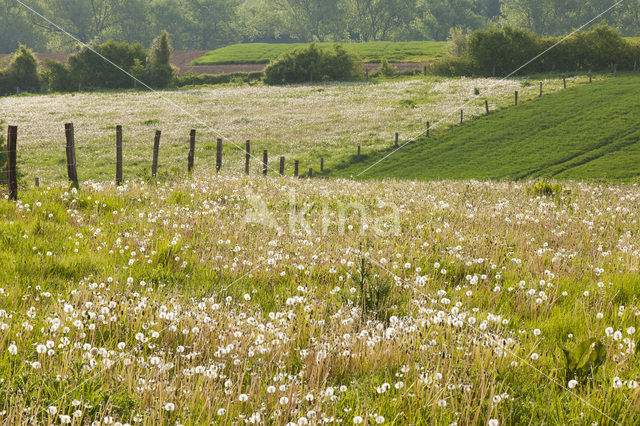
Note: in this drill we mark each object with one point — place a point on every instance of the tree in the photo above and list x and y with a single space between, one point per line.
210 22
16 28
161 73
22 72
379 19
310 20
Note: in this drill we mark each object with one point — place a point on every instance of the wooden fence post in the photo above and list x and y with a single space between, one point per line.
118 155
282 166
295 168
156 152
516 97
424 70
191 158
564 82
265 159
247 157
461 116
358 156
37 182
310 172
590 80
218 155
72 171
12 175
321 164
396 143
428 128
540 89
486 106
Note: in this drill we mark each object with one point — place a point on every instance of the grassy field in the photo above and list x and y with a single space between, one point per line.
590 132
198 301
262 53
303 123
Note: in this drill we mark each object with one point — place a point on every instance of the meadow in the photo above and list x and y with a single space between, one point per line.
234 299
586 132
373 51
303 123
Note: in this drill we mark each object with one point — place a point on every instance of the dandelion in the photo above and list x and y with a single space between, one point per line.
493 422
535 356
284 400
13 349
243 397
221 412
169 406
379 420
65 419
442 403
357 420
271 389
572 384
52 410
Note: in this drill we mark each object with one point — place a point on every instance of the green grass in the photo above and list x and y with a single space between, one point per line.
262 53
589 132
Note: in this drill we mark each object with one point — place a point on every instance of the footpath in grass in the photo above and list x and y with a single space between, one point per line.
589 132
262 53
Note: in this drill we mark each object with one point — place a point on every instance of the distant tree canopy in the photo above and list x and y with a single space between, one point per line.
208 24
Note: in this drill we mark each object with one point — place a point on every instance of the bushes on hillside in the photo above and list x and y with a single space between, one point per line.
311 63
499 52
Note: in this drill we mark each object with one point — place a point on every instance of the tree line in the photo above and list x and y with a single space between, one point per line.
208 24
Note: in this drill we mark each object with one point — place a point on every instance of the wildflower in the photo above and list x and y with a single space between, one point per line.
271 389
572 384
221 411
13 349
243 397
442 403
169 406
379 420
284 400
357 420
52 410
493 422
65 419
535 356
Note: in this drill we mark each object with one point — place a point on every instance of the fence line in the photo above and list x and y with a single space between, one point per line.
72 162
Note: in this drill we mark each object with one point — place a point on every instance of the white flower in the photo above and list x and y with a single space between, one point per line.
379 420
41 349
221 411
572 384
284 400
534 356
271 389
442 403
243 397
52 410
64 419
169 406
13 349
357 420
493 422
536 332
631 330
617 383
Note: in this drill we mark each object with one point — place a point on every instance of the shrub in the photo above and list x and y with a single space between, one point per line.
502 51
311 63
454 66
457 42
22 73
58 77
386 70
192 79
161 72
92 71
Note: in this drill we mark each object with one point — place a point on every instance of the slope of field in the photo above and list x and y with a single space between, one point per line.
259 53
587 132
304 123
232 300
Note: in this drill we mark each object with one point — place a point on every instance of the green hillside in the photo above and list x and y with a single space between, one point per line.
262 53
583 133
